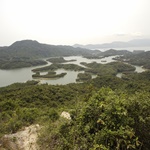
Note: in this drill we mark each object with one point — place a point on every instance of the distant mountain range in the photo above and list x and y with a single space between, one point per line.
118 44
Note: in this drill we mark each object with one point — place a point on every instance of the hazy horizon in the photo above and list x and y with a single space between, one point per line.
70 22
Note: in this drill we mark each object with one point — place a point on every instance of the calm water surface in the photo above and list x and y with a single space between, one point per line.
8 77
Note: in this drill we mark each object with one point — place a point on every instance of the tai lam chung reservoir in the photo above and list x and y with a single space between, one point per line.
56 97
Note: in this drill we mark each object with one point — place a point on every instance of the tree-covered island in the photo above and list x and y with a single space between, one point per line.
49 75
59 60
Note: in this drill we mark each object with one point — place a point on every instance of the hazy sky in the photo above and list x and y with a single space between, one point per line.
73 21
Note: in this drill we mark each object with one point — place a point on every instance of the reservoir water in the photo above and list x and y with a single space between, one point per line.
8 77
138 69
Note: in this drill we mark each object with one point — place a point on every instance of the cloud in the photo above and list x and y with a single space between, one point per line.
136 34
120 34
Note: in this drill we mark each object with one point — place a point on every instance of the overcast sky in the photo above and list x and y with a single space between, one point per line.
69 22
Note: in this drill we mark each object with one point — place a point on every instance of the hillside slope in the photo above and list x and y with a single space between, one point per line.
34 49
25 53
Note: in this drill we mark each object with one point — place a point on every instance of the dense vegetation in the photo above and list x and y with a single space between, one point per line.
83 77
107 69
20 62
107 121
22 104
113 52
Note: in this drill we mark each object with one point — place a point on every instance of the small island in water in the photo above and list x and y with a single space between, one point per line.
59 60
50 74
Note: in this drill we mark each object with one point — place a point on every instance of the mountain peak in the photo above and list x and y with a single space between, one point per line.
24 43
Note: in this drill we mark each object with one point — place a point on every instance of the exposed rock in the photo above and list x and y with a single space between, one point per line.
22 140
66 115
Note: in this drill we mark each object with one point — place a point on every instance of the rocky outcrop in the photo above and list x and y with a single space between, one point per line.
22 140
66 115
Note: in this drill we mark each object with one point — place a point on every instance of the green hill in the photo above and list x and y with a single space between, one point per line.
24 53
34 49
139 59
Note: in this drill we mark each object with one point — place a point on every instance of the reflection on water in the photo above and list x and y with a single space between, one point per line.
8 77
